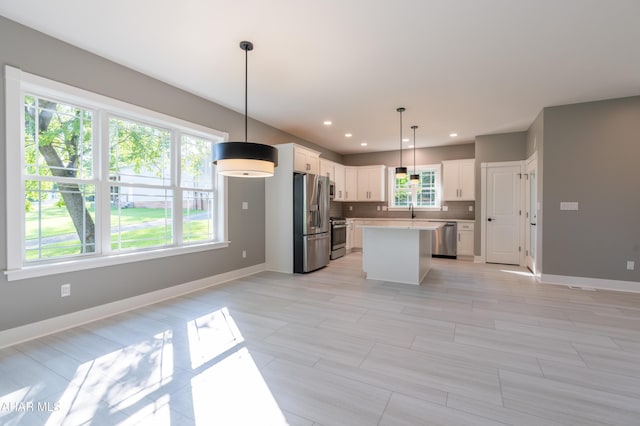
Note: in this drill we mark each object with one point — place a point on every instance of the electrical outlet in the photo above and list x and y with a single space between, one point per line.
470 208
350 208
631 265
65 290
569 205
378 208
245 205
445 208
244 254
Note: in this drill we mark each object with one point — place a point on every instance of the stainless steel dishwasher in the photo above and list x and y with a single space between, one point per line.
445 240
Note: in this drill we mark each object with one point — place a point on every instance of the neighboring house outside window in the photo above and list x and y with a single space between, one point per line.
423 196
90 177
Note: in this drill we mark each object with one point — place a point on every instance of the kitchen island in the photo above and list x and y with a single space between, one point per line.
399 254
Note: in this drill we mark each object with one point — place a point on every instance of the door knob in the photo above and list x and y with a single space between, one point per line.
490 219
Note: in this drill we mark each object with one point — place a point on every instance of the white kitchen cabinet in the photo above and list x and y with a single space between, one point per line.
458 180
465 239
357 234
327 168
350 183
338 180
371 181
306 160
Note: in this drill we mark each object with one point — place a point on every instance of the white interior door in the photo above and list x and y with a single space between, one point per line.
531 218
503 214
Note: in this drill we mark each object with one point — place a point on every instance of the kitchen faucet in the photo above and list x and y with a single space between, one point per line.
413 214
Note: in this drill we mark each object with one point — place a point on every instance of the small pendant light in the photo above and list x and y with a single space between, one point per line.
401 172
245 159
414 179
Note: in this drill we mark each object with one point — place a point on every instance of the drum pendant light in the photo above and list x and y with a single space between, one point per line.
414 179
245 159
401 172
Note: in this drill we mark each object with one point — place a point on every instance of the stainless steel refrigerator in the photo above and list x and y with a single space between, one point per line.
311 227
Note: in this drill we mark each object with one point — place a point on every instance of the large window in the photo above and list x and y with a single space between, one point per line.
422 196
90 178
58 179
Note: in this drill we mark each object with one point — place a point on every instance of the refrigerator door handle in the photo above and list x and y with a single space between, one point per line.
319 195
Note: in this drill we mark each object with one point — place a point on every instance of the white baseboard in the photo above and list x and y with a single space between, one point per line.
53 325
591 283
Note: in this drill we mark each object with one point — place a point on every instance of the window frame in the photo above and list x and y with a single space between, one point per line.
18 84
419 168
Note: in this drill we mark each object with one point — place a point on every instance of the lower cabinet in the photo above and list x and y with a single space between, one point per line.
465 239
350 230
357 234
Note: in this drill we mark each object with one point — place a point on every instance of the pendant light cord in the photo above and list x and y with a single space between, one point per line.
414 148
400 111
246 46
246 89
400 138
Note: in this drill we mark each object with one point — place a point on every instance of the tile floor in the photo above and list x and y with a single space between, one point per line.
474 345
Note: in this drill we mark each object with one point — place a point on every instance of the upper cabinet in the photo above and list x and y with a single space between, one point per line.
371 183
458 180
306 160
350 183
338 180
327 168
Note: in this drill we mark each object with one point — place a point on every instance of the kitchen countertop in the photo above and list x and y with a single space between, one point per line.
401 219
421 227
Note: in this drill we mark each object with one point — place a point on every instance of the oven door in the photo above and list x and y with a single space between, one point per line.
338 236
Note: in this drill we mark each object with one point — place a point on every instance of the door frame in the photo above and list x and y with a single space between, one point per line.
483 207
531 166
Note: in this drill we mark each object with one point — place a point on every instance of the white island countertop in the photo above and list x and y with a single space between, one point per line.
399 254
424 226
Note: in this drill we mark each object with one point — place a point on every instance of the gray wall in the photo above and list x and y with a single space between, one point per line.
495 148
591 155
30 300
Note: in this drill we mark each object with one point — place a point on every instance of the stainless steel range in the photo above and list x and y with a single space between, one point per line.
338 237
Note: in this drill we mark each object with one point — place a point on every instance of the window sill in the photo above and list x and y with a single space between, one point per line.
45 269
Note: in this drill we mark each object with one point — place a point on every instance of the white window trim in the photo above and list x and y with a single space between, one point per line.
391 186
17 83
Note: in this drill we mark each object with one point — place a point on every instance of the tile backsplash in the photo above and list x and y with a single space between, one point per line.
457 210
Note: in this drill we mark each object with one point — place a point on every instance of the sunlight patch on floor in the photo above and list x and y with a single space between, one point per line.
521 273
233 392
211 335
116 381
196 372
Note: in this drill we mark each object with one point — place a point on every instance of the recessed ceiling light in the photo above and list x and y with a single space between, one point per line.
405 140
363 144
347 135
327 123
453 135
410 146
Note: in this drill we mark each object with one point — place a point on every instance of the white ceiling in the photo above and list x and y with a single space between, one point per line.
467 66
